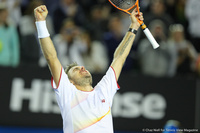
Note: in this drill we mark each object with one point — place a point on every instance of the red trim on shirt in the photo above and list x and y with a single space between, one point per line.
58 81
115 77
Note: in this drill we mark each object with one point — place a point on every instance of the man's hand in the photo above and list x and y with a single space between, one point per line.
134 19
40 13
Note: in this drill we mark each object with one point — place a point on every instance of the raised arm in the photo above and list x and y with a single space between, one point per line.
46 44
124 47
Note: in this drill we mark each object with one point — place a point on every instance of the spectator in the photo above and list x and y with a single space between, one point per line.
192 13
87 5
158 11
14 10
144 5
51 5
96 55
126 21
9 41
176 9
27 22
185 51
99 21
30 52
68 9
180 12
170 7
160 62
30 49
113 37
69 46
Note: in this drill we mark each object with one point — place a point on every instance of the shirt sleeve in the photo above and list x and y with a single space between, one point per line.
109 85
65 90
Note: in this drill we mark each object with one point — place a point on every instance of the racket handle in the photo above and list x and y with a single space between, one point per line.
151 38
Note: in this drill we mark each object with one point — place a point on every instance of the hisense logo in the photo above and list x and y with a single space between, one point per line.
40 96
41 99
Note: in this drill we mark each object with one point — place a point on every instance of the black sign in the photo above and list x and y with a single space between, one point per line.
27 99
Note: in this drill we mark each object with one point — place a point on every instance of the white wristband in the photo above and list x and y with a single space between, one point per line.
42 29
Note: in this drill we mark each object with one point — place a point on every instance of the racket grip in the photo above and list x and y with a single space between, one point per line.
151 38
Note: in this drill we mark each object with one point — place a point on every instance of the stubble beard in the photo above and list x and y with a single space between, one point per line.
84 81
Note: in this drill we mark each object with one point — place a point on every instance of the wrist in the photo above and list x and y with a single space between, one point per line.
134 26
42 29
134 31
38 20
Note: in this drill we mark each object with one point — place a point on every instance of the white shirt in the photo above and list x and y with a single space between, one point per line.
87 112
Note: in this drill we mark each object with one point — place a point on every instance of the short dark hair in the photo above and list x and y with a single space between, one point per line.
68 67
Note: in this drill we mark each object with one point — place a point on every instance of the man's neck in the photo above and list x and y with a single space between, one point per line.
84 88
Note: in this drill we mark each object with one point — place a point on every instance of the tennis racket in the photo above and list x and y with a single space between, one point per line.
127 6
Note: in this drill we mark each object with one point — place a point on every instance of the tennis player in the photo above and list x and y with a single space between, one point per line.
84 109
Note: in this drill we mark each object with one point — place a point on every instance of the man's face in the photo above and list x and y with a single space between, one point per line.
158 7
80 76
3 15
69 31
178 36
68 2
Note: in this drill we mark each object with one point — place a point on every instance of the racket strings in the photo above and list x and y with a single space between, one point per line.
124 4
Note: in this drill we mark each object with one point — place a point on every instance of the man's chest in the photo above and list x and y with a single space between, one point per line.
88 108
95 103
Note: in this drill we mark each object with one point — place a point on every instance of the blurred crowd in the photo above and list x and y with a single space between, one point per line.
88 32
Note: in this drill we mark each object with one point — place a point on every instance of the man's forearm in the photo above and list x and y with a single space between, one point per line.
124 48
48 48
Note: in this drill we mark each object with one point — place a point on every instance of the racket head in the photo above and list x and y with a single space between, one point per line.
124 5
